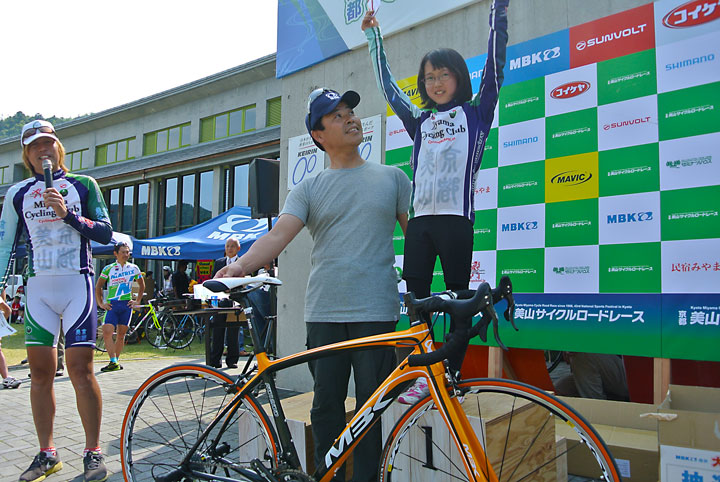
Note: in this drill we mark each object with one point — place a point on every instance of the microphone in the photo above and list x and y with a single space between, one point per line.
47 168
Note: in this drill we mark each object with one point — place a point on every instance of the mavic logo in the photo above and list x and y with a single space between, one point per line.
571 178
535 58
527 226
630 217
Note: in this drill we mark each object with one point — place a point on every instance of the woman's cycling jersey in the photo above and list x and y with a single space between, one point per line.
448 141
55 246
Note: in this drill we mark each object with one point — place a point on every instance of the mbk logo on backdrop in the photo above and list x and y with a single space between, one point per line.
630 217
526 226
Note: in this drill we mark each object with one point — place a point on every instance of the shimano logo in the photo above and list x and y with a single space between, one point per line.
630 217
527 226
161 251
571 178
609 37
535 58
688 62
520 142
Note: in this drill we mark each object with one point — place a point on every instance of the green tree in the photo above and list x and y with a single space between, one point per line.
11 126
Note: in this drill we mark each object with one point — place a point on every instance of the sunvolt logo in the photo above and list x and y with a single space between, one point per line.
626 123
691 14
571 178
520 142
609 37
630 217
570 89
535 58
527 226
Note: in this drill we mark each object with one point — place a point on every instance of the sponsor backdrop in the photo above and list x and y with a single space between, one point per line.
599 191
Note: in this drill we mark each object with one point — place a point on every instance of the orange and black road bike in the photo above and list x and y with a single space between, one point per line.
193 423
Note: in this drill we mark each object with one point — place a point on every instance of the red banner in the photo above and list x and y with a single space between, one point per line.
614 36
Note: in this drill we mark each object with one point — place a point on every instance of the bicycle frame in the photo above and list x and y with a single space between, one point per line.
419 336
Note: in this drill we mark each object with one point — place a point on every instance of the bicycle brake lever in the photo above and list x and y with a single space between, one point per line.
505 289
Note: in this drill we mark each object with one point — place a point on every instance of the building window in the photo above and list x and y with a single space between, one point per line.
126 222
166 139
114 208
143 198
272 117
236 190
5 175
77 160
187 208
171 195
128 208
205 196
227 124
115 152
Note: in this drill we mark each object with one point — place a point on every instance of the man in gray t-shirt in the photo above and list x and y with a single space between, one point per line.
351 211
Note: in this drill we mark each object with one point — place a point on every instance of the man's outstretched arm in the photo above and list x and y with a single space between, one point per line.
265 249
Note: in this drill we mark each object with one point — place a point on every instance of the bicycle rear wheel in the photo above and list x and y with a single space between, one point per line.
153 331
528 435
100 339
169 413
179 333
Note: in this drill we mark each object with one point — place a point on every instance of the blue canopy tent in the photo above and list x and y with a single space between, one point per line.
108 249
97 248
206 240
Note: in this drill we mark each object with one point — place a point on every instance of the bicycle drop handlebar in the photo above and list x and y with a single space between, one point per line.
462 306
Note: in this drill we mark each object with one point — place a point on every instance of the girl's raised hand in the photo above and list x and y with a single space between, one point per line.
369 21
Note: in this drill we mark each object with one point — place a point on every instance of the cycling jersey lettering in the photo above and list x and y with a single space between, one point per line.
693 13
450 131
615 125
519 142
43 212
688 62
630 217
571 178
527 226
361 423
609 37
535 58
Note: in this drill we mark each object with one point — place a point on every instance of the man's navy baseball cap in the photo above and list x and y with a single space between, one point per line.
322 101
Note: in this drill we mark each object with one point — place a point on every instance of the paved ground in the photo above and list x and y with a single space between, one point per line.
18 443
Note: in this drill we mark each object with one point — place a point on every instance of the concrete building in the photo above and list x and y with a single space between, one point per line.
174 159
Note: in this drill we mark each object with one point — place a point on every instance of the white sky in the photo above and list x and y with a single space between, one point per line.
74 57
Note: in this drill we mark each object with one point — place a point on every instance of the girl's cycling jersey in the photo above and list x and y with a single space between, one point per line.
119 280
55 245
448 141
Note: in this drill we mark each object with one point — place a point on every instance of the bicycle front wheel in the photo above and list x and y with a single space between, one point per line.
527 434
153 330
170 412
178 334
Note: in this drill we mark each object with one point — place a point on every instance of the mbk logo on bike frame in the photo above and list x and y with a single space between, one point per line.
364 421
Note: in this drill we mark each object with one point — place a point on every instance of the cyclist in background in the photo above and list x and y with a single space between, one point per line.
59 223
7 380
119 277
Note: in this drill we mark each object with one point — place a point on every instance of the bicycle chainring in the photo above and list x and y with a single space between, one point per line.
291 475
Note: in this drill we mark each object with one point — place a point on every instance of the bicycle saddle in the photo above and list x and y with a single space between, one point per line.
229 284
